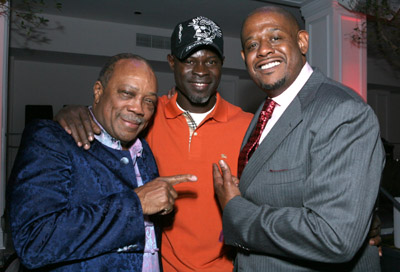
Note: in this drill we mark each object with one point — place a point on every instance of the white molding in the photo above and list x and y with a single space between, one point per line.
319 26
311 8
330 49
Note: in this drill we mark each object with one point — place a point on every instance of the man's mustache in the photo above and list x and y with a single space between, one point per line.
133 118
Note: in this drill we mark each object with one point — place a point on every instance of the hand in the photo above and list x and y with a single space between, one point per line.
225 185
77 121
158 195
171 93
374 233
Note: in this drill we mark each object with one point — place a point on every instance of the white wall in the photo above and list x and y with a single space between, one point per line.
81 36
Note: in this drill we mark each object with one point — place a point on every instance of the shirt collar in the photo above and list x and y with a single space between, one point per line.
106 139
220 112
285 98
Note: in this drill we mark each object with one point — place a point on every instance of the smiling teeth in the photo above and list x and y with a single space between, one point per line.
200 84
270 65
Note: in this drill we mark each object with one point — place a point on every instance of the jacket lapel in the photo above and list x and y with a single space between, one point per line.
286 123
252 125
289 120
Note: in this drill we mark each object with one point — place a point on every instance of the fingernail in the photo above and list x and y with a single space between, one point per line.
86 146
90 138
193 178
222 163
79 144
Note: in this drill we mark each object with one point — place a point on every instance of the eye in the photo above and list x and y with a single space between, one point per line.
126 94
251 46
189 61
150 101
275 38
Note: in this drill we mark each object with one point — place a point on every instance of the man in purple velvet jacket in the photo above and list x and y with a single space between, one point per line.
78 210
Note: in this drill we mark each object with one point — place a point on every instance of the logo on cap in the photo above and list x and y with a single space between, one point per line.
193 33
205 31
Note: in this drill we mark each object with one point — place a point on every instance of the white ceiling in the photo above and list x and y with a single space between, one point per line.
229 14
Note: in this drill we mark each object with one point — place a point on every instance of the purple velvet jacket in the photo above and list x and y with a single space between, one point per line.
71 209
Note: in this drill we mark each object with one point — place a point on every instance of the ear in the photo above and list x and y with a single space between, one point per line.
302 41
97 91
243 56
171 61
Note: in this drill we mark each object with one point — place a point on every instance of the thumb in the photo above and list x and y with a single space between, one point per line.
174 180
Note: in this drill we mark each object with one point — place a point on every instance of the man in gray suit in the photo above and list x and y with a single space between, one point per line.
307 193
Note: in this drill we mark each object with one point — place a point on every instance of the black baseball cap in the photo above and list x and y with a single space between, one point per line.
195 33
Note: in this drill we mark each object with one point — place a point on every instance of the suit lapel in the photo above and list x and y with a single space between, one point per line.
252 125
287 122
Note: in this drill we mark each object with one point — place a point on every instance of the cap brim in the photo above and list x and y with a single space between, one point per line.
185 54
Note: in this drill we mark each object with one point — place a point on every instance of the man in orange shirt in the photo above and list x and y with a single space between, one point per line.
186 137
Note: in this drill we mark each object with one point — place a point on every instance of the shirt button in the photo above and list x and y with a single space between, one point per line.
195 134
124 160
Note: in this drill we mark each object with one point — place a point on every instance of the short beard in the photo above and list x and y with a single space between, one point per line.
196 100
275 86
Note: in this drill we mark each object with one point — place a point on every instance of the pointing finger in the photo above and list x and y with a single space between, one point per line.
174 180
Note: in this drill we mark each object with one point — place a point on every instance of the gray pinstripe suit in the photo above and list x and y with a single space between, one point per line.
309 189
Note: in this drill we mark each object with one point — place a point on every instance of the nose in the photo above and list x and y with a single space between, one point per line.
136 106
200 69
265 49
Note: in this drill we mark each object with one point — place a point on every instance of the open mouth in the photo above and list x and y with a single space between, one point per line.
269 65
199 84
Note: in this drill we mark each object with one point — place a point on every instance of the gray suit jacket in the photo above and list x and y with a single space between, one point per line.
308 191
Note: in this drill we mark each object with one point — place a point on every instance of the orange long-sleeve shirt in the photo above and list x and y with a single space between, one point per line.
192 241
